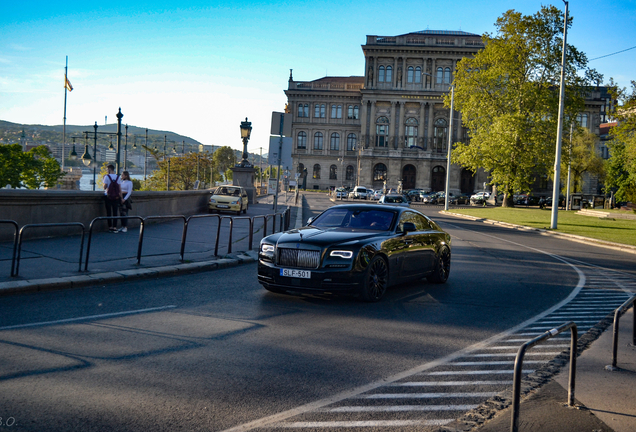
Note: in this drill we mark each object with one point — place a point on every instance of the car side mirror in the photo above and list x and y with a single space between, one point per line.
310 220
408 227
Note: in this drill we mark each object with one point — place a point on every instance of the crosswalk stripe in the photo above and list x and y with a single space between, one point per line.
402 408
479 372
449 383
493 363
428 395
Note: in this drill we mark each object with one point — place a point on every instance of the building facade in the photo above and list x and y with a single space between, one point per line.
388 128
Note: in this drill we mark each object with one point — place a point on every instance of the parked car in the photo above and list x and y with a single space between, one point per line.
355 248
414 194
459 199
479 198
399 200
341 193
228 198
432 198
377 194
359 192
527 200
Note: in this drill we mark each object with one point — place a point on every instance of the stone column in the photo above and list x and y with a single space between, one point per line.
400 138
364 106
430 125
420 127
392 121
371 141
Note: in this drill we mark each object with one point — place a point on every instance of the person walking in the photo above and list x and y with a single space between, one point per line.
126 191
112 196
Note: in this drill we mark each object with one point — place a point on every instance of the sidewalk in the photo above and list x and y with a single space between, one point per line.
53 263
605 401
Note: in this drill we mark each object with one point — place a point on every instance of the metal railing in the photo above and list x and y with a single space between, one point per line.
47 225
617 316
516 384
15 241
285 218
115 218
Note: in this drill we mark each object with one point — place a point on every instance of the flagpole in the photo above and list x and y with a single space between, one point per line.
64 127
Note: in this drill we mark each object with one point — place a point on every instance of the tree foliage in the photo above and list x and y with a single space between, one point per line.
621 166
183 171
33 169
582 157
508 95
224 158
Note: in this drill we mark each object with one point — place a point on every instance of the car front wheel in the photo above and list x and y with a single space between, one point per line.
376 280
442 267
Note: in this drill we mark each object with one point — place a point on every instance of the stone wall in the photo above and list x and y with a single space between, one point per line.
62 206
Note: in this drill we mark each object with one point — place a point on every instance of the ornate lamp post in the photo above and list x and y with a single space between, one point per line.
246 130
126 149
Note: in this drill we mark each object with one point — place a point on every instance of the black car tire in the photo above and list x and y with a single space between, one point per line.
442 267
238 213
376 280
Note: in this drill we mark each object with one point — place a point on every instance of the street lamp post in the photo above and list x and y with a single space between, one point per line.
165 156
450 144
126 150
246 130
557 157
146 157
119 117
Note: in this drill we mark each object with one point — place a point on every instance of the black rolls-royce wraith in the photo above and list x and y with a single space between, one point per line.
355 248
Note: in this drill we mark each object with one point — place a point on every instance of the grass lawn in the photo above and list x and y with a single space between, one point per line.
617 231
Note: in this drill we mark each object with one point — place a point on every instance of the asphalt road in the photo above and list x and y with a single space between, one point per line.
214 351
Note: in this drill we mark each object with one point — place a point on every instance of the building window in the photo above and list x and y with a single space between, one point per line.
418 75
301 167
439 136
351 142
316 171
301 143
382 132
303 110
333 172
389 74
381 74
440 75
409 75
353 112
447 76
582 120
349 174
410 137
318 141
379 172
336 111
335 141
319 111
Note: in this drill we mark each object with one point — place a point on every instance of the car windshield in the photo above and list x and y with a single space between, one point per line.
393 199
377 220
229 191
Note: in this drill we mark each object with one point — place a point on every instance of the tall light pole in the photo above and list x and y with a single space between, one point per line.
246 130
165 156
557 158
146 157
119 117
126 150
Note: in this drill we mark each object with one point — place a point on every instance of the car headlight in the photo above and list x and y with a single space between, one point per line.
212 201
267 248
234 202
342 254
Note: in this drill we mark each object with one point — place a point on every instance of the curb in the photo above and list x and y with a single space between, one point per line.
570 237
35 285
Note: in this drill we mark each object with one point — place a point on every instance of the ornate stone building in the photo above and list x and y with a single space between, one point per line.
389 125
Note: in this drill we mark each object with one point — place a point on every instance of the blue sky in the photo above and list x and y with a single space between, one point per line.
199 68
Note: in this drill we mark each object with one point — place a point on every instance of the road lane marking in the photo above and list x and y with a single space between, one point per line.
449 383
87 318
401 408
367 423
479 372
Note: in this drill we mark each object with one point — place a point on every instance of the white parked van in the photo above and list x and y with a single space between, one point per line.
360 192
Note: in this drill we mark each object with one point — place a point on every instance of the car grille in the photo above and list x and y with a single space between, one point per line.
298 258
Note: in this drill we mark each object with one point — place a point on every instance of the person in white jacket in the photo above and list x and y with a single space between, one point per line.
126 191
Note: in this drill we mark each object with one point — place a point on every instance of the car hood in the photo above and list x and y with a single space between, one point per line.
325 237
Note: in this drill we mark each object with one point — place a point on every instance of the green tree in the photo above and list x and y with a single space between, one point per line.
583 158
621 166
12 164
224 158
508 96
40 168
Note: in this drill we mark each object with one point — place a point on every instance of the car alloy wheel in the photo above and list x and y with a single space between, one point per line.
442 267
376 280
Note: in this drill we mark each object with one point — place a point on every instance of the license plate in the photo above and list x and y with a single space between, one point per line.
302 274
222 206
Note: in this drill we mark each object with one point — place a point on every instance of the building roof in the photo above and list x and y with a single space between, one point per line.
334 79
442 33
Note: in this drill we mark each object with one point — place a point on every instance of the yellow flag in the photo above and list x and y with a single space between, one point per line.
67 84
